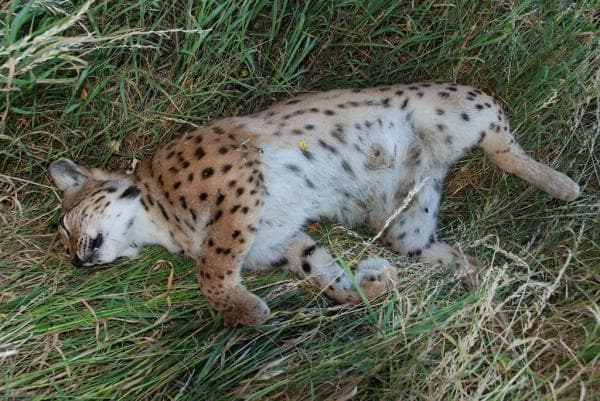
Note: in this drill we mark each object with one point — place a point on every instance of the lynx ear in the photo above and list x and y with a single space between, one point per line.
68 176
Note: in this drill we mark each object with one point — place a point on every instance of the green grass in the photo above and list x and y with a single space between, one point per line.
106 82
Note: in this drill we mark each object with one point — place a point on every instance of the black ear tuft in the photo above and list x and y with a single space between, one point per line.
131 192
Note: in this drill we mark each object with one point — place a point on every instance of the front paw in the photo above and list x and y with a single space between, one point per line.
246 309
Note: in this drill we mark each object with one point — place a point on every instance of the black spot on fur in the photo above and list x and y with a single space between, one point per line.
326 146
347 168
235 209
464 116
220 198
309 127
207 172
481 137
338 134
307 154
279 263
404 104
292 167
190 177
416 252
293 101
309 250
162 210
203 196
226 168
329 112
239 191
443 94
223 150
131 192
235 234
218 215
200 153
309 183
306 267
479 106
439 112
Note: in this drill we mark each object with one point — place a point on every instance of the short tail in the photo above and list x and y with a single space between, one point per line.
514 160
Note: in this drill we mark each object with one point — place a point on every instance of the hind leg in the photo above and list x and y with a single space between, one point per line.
375 276
413 234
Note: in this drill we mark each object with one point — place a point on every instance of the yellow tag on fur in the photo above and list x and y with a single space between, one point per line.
302 145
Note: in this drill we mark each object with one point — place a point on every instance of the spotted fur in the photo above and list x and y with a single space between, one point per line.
236 193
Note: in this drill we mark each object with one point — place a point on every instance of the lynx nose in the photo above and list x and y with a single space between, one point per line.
76 261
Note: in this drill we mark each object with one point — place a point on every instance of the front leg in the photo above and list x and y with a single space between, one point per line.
230 232
220 282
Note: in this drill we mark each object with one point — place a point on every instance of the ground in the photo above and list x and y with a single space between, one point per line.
104 82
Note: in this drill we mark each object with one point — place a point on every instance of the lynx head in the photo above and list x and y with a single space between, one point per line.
98 213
